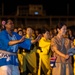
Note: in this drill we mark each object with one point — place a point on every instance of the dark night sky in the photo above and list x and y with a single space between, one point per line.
52 7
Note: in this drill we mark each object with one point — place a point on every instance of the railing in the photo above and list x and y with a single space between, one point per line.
51 21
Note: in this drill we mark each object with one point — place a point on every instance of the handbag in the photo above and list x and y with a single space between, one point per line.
52 61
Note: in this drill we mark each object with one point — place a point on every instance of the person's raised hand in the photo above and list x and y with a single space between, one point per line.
22 39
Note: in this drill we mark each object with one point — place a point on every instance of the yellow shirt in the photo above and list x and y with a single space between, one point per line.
45 45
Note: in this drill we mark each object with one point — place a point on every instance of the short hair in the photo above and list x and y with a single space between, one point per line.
60 25
44 30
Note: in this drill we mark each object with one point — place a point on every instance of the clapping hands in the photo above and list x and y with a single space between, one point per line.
22 39
38 37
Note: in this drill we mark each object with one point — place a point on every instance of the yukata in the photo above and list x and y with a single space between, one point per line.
44 61
30 58
9 62
22 61
62 66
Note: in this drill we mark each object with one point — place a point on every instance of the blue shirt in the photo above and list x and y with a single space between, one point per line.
4 40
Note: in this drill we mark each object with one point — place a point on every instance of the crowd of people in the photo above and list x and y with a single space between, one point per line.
27 51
